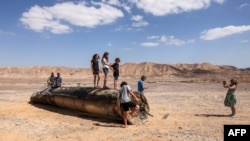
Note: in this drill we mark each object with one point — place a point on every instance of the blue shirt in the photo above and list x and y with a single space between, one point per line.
140 86
58 81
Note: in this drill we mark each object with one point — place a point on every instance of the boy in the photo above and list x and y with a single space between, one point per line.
115 68
125 101
140 84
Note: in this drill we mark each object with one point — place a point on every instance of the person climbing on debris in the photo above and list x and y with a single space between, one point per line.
126 103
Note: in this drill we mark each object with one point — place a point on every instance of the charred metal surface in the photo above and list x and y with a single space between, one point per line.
96 101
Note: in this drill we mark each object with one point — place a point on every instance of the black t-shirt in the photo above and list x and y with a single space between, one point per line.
95 65
115 67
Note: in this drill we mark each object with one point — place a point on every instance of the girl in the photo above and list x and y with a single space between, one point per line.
230 99
95 69
105 60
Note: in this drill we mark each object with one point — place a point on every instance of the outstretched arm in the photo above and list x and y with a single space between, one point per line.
145 87
229 86
232 86
133 95
225 84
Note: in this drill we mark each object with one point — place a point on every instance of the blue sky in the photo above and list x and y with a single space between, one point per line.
67 33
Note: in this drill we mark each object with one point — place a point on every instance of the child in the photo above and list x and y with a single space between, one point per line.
95 69
105 60
230 99
125 102
115 68
141 85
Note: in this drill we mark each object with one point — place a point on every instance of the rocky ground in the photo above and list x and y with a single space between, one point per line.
195 112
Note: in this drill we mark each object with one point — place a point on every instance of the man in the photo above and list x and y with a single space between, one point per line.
140 84
51 80
58 81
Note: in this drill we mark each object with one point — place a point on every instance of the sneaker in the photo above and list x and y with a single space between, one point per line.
233 116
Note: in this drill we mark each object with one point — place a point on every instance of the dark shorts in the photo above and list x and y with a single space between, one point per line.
105 70
127 105
115 77
96 72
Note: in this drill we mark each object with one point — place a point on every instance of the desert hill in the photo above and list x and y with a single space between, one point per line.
130 69
42 71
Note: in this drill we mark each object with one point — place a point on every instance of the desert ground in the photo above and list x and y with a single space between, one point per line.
195 112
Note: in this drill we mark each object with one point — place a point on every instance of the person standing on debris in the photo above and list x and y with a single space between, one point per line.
51 80
95 69
230 99
116 68
140 85
106 65
125 102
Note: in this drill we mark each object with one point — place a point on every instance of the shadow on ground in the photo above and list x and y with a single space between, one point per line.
211 115
80 114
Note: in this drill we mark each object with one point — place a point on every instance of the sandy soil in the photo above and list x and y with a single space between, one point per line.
196 112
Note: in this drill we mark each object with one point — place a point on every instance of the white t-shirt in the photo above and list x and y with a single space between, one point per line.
104 63
124 94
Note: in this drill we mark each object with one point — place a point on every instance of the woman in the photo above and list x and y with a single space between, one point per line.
230 99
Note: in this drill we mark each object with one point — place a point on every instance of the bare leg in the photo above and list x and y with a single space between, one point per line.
98 79
134 110
233 110
94 80
105 80
125 119
115 84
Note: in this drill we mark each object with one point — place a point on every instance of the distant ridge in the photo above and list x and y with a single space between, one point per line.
42 71
149 68
129 69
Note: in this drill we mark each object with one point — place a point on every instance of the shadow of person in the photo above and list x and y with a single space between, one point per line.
211 115
109 125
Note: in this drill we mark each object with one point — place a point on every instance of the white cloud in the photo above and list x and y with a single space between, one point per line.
109 45
6 33
171 40
140 24
165 7
39 19
191 41
138 21
244 41
137 18
166 40
221 32
243 5
58 18
153 37
149 44
118 3
112 2
127 49
123 28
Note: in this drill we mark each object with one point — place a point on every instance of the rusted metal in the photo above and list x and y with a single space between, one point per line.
96 101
